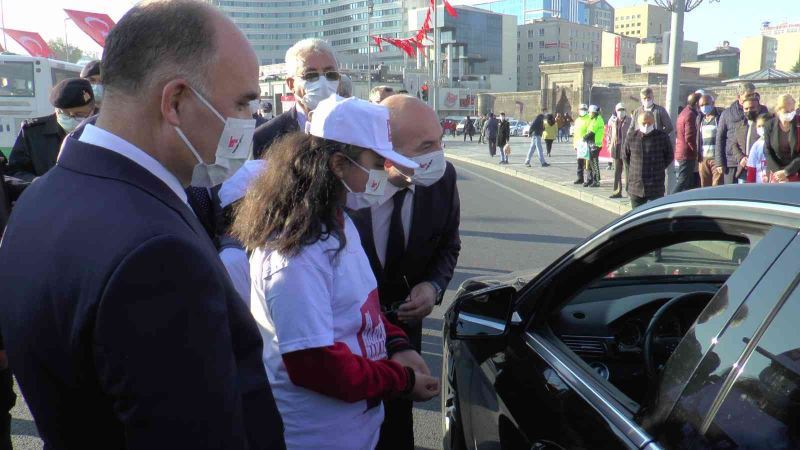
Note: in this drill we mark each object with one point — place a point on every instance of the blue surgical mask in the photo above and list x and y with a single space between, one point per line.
707 109
68 123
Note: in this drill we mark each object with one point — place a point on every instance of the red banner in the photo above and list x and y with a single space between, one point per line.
618 51
96 25
31 41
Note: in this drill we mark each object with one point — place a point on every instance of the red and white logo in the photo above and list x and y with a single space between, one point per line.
96 25
372 335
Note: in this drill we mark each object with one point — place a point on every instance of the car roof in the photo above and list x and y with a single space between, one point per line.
780 193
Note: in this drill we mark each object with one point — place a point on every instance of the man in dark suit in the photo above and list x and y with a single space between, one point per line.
412 251
123 329
313 75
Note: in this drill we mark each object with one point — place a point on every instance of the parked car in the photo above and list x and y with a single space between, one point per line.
519 127
673 327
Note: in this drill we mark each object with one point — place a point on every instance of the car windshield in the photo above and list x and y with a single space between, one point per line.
687 258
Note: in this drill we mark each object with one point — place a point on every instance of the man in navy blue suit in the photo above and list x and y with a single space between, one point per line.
121 324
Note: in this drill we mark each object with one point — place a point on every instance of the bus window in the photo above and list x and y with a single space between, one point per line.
16 79
62 74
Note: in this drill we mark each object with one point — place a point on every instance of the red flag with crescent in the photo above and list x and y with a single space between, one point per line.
96 25
33 43
450 9
378 40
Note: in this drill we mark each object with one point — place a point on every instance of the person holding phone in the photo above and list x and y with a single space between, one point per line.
330 354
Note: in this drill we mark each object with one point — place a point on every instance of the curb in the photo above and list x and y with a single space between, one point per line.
586 197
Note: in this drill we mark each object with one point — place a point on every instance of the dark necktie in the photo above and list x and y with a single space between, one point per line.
200 201
396 244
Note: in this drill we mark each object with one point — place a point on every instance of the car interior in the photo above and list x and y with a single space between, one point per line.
626 322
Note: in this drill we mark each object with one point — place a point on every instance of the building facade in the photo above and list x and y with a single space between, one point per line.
788 54
727 56
618 51
531 10
273 26
758 53
600 14
655 50
553 41
642 21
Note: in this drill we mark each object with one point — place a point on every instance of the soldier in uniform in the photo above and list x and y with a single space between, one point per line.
39 141
91 72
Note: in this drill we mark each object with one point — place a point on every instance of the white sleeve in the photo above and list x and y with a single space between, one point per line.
238 267
298 299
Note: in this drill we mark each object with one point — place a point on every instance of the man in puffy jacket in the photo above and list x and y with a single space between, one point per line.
725 161
581 128
686 154
595 131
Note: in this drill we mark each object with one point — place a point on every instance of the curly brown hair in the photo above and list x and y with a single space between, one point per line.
296 201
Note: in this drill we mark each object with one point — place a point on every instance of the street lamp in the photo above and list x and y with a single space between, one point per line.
370 6
66 40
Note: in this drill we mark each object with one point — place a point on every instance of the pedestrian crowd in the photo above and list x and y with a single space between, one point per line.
706 146
183 276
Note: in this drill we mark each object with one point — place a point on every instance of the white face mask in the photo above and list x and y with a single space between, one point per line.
647 103
582 112
233 148
67 123
646 129
788 116
621 114
97 89
316 91
431 168
760 131
374 190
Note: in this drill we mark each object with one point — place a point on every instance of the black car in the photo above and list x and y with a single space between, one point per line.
675 327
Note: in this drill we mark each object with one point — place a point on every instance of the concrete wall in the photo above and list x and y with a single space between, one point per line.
769 94
509 102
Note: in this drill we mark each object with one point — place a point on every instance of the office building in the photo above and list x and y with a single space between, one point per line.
655 51
788 53
551 41
531 10
642 21
478 48
758 53
768 29
600 14
618 51
274 26
727 56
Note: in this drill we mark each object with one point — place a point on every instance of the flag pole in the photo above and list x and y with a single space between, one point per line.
436 64
3 23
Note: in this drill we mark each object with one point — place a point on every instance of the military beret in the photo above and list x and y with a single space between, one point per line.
71 93
91 69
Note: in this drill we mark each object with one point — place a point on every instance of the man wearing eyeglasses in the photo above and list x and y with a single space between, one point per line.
312 75
39 140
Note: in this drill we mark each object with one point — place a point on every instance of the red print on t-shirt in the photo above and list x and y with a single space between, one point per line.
372 335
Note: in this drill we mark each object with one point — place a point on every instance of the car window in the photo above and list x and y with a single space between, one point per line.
762 408
686 258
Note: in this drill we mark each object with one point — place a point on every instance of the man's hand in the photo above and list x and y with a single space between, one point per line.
719 170
412 359
743 163
780 176
425 388
418 304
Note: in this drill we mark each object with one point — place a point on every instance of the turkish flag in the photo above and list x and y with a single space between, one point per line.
31 41
449 8
96 25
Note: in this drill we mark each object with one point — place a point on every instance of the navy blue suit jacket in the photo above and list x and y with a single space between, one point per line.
121 323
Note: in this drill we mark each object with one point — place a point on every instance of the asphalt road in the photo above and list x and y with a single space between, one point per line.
506 225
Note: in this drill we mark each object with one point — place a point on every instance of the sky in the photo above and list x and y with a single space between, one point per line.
709 24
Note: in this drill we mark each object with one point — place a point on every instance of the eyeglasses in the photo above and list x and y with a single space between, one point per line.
314 76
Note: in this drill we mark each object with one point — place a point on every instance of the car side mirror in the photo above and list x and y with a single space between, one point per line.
483 313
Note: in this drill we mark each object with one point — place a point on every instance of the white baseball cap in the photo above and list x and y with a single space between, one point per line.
357 122
619 106
594 108
583 106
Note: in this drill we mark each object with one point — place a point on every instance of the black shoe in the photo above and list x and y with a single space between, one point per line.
578 181
587 184
527 164
596 184
615 196
545 165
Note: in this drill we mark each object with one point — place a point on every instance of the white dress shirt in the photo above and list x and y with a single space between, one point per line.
382 218
101 138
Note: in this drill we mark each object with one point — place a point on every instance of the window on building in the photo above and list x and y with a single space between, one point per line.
541 56
541 31
530 57
530 45
541 44
530 34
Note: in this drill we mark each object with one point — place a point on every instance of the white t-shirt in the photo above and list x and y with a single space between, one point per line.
758 160
312 300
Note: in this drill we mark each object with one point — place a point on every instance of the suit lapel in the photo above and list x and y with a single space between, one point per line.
100 162
420 218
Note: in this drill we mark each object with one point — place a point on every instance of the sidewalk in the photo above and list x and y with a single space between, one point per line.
558 177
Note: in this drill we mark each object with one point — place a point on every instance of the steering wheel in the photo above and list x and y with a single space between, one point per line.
668 344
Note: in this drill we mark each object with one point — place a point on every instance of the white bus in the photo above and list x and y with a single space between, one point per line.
25 84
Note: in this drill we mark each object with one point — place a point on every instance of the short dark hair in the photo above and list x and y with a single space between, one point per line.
754 97
157 40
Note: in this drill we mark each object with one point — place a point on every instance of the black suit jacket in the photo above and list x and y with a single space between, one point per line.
36 148
433 245
123 328
266 134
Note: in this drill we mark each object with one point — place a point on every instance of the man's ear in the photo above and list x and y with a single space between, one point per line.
290 83
172 95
